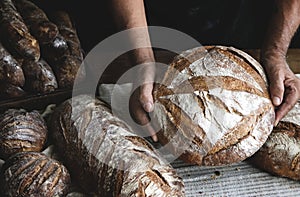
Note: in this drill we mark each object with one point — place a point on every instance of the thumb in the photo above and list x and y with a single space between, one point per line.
276 90
146 98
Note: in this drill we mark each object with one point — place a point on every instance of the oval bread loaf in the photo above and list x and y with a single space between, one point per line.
213 106
21 131
37 21
10 70
67 66
40 77
34 174
105 157
280 155
15 33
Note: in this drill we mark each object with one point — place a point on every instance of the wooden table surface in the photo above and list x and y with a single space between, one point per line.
293 58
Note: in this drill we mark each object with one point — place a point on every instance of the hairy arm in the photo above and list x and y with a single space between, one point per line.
130 14
284 85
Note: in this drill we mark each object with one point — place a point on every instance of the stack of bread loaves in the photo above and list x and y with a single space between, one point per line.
36 54
27 171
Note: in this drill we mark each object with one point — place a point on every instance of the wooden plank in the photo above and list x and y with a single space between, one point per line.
293 58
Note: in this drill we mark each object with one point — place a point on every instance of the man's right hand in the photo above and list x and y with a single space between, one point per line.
141 100
141 104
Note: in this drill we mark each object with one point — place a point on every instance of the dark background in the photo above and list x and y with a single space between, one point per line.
238 23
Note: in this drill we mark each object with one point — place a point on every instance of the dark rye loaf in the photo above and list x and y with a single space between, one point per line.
21 131
34 174
213 106
280 155
105 157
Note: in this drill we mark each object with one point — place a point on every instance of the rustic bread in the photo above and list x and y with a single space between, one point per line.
40 77
10 70
37 21
15 33
105 157
34 174
21 131
213 106
280 155
67 65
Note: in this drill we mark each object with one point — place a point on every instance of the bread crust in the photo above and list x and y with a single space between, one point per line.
213 106
34 174
21 131
280 155
105 157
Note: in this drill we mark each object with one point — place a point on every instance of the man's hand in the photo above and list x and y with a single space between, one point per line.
284 86
141 100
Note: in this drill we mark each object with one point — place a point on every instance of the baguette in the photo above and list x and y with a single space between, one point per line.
105 157
213 106
21 131
16 34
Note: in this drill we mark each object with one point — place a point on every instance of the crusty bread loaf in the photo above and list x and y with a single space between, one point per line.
10 70
15 33
37 21
21 131
67 65
105 157
40 77
213 106
34 174
280 155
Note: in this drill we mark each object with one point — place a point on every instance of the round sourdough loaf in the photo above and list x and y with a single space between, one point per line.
280 155
213 106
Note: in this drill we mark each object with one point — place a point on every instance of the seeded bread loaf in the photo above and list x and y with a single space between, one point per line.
280 155
105 157
213 106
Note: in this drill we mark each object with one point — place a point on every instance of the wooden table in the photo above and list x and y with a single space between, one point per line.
293 58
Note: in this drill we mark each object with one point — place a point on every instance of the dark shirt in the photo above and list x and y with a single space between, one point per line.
241 23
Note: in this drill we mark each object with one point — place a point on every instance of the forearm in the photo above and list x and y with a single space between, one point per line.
282 27
130 14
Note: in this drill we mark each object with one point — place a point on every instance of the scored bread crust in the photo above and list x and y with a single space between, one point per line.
213 106
280 155
105 156
21 131
34 174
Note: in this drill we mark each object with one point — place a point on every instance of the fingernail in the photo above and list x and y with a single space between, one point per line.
148 107
276 100
154 138
276 123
